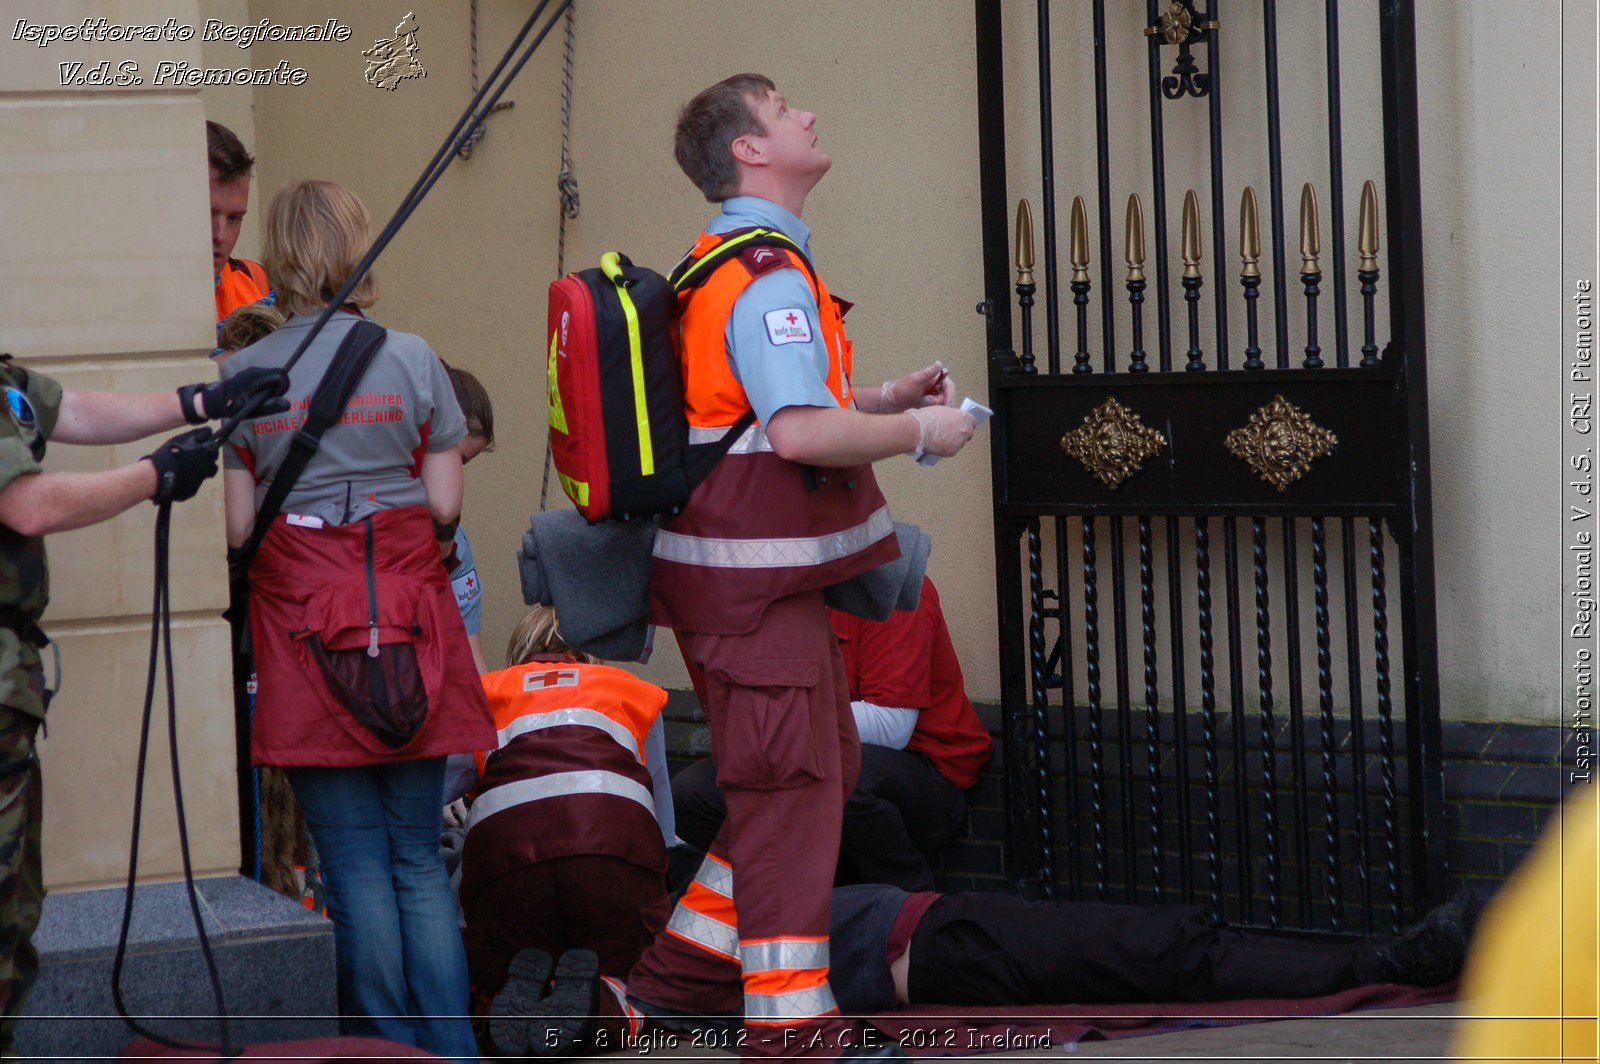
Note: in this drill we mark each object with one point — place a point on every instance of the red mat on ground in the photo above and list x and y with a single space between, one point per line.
310 1049
954 1030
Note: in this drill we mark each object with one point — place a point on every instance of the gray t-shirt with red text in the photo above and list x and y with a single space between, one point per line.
402 409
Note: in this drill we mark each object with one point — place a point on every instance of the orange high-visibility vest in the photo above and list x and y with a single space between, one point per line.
568 774
242 282
541 694
759 527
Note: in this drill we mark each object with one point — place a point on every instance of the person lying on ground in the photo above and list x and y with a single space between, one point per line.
892 950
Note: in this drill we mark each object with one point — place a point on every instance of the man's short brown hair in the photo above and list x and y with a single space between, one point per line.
225 152
710 123
475 404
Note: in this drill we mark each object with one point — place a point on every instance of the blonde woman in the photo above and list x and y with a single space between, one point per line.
365 678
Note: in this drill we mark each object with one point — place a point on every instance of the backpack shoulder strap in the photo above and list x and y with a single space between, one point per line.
344 372
692 271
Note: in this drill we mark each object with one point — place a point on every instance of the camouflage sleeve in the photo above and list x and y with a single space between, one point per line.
28 419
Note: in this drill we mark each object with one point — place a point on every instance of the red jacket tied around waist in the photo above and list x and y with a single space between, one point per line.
339 587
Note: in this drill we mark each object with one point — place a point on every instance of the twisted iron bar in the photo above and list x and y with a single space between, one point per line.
1330 779
1041 705
1097 750
1380 639
1208 715
1358 738
1147 603
1269 781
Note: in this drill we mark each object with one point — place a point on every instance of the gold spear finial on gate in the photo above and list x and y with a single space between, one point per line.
1191 234
1024 243
1310 231
1369 227
1080 240
1135 239
1249 234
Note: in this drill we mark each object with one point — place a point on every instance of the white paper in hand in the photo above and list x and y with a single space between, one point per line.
969 405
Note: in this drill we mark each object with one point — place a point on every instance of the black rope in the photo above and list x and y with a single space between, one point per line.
161 645
461 133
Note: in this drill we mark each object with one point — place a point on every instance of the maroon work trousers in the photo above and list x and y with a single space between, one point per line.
594 902
786 751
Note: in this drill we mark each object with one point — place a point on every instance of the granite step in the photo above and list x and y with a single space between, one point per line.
273 956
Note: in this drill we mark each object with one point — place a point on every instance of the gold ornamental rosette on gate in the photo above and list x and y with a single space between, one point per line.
1280 442
1113 443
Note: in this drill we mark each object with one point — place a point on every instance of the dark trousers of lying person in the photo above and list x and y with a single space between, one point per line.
892 949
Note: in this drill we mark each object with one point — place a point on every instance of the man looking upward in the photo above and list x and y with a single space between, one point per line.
792 508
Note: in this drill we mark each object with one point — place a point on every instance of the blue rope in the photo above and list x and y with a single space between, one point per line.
255 793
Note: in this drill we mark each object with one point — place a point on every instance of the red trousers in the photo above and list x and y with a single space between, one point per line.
785 747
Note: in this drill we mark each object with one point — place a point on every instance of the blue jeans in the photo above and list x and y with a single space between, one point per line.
401 966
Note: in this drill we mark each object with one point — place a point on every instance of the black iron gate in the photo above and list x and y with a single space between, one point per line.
1197 545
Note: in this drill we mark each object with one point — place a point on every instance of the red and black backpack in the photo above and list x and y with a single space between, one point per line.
618 436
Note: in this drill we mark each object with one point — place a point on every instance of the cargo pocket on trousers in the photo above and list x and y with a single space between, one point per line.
767 741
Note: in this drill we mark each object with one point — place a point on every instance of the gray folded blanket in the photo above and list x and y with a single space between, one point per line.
598 579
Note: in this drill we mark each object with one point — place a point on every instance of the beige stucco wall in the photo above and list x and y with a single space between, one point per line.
104 284
897 230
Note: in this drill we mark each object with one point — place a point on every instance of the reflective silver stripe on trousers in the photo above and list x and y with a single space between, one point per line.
589 781
795 1005
706 931
584 718
773 553
715 876
782 954
752 441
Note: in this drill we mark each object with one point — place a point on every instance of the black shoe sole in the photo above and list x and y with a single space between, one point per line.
524 1021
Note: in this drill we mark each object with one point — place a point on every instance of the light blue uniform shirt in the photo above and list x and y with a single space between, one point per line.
775 332
468 588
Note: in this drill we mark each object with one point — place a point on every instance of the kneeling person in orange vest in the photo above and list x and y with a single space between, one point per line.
563 855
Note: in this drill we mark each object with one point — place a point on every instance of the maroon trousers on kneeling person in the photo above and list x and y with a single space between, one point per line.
604 904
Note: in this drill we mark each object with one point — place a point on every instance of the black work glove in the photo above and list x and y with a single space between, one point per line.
225 398
182 464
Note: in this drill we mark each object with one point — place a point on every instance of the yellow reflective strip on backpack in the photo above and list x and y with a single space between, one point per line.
732 242
558 413
577 490
641 411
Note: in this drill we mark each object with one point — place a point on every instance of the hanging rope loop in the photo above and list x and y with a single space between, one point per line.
465 151
566 188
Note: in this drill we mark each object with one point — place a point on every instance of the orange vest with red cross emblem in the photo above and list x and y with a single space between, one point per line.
568 775
759 527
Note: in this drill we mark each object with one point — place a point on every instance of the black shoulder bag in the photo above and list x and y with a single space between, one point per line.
344 372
